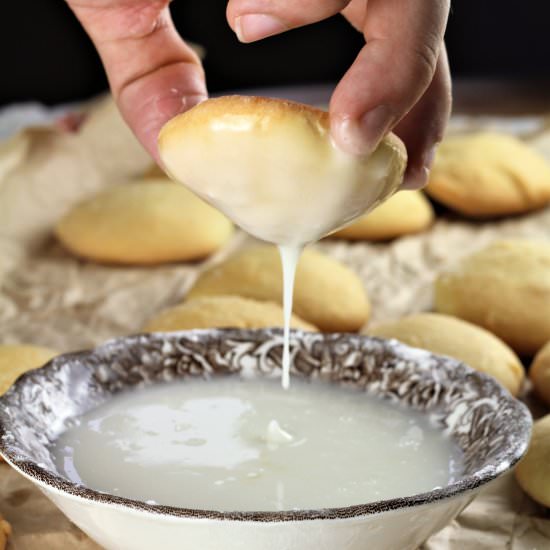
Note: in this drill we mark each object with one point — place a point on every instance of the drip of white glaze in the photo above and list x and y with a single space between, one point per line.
290 254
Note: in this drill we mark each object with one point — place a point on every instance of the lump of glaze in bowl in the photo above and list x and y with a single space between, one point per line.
489 174
539 373
143 223
404 213
464 341
15 359
222 312
504 288
327 294
533 471
271 167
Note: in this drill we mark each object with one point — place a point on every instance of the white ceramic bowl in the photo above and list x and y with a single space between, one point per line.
490 426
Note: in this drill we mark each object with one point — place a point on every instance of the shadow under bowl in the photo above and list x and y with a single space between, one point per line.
491 428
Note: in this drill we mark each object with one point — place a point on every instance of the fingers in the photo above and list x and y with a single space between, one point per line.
153 74
390 74
256 19
423 127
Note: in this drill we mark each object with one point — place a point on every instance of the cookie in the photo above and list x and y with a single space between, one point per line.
464 341
271 167
143 223
504 288
327 294
533 471
155 172
5 532
404 213
222 312
17 359
489 174
539 373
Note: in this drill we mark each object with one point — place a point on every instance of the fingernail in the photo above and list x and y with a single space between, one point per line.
416 179
429 156
363 136
255 26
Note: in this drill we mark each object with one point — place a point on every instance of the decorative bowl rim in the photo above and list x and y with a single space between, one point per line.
40 475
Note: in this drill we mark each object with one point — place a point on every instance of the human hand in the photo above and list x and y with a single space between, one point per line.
153 74
399 81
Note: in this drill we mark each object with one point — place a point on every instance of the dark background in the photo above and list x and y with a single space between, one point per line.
47 57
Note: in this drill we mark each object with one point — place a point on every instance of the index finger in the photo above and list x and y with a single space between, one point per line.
152 73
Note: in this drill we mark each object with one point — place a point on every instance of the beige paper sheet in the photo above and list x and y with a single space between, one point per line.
50 298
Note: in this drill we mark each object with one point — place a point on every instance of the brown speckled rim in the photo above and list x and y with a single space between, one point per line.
498 425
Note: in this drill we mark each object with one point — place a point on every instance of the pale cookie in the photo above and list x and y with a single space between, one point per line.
5 532
504 288
404 213
468 343
327 294
143 223
270 165
489 174
155 172
223 312
16 359
533 471
540 373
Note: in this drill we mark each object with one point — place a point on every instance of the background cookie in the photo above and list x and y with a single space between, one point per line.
533 471
504 288
326 293
17 359
469 343
222 312
5 532
142 223
489 174
540 373
403 213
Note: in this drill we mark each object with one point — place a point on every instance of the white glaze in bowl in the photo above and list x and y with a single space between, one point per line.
491 427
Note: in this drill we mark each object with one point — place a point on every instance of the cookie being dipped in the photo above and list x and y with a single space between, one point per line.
271 167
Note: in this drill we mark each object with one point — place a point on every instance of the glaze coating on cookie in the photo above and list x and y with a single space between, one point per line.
270 166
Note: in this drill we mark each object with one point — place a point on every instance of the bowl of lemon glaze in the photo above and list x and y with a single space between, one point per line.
487 427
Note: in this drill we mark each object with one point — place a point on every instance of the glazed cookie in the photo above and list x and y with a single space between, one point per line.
270 165
489 174
540 373
404 213
141 223
17 359
504 288
223 312
533 471
5 532
450 336
327 294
